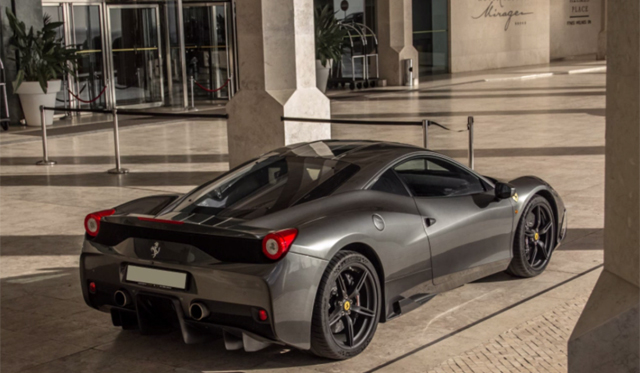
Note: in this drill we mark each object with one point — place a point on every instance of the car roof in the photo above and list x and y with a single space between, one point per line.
360 152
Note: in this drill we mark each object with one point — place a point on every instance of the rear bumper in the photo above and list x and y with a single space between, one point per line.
233 293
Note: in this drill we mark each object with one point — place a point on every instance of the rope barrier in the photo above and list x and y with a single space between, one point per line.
432 123
212 90
79 93
90 101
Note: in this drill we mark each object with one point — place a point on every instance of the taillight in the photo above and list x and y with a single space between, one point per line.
262 315
92 221
276 244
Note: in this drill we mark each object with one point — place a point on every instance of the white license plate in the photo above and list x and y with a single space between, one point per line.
157 277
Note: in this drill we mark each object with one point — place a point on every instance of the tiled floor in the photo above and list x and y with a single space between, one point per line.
551 127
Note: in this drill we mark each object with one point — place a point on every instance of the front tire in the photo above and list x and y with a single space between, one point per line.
347 307
534 240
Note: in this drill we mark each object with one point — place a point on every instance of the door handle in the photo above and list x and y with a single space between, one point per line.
430 221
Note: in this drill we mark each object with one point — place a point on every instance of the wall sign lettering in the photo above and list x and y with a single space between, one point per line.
580 14
497 9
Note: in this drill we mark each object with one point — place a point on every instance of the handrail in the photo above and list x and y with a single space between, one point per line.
424 123
116 135
349 121
145 113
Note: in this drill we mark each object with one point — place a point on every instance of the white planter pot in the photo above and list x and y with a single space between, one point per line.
32 97
322 75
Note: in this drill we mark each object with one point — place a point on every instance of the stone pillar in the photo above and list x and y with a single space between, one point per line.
276 55
602 37
606 337
395 38
30 12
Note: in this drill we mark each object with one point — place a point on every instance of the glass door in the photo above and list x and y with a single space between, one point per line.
90 82
206 33
136 56
431 35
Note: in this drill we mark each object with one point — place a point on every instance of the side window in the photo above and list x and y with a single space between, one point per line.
389 183
435 177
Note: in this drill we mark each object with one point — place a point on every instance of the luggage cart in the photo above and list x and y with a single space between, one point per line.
338 80
373 53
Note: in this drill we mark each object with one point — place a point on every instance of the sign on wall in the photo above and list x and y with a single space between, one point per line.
575 26
580 13
511 12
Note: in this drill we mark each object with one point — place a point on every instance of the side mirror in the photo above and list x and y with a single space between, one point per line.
504 190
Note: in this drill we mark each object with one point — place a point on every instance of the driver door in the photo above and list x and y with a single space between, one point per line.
469 229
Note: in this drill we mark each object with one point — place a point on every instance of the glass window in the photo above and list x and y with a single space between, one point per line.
390 183
435 177
89 82
265 186
431 35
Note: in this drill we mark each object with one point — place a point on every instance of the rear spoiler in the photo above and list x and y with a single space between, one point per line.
225 245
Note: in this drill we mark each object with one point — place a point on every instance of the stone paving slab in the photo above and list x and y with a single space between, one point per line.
537 346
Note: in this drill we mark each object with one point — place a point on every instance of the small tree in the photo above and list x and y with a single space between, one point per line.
41 55
329 35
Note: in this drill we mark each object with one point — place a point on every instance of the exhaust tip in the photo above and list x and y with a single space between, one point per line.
198 311
121 298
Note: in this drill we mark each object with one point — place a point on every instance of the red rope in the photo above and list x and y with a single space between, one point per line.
91 101
212 90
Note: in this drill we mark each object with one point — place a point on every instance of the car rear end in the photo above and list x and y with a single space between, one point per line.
158 275
217 258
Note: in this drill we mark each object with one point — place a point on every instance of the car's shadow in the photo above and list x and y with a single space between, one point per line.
169 349
498 277
43 308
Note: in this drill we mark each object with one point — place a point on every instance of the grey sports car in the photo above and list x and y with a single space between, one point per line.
314 244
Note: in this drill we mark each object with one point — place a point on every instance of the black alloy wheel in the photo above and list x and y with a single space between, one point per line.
534 239
347 307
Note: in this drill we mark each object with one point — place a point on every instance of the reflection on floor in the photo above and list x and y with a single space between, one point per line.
552 128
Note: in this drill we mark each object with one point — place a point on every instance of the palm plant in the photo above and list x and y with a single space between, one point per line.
329 35
41 55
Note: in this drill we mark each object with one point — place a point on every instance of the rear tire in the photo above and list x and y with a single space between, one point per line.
534 240
343 326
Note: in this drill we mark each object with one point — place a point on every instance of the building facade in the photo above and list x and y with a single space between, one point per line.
146 53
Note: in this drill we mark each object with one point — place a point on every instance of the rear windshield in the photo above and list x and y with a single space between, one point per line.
266 186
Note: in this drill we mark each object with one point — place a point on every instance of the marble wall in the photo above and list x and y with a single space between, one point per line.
607 335
489 34
575 25
276 57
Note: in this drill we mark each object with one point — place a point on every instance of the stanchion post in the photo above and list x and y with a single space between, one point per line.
193 96
65 89
45 151
116 139
470 121
425 133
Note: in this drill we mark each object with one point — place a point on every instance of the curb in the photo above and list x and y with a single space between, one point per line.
524 77
546 75
589 70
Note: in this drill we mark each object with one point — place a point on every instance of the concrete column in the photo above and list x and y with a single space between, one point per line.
30 12
276 55
602 37
606 338
395 38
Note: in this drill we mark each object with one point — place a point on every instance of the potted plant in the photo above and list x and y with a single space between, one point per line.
329 42
41 58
